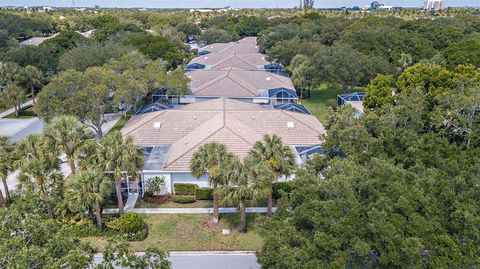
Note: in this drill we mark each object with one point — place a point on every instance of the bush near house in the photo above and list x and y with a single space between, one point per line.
204 194
184 199
279 189
185 188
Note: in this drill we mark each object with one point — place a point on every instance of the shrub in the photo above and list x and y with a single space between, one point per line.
204 194
184 199
130 222
279 189
154 185
185 188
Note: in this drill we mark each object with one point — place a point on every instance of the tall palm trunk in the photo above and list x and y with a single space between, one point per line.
17 108
215 204
71 162
243 217
270 200
2 201
98 214
33 94
7 192
118 188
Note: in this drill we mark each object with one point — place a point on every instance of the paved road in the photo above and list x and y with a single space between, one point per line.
223 210
208 260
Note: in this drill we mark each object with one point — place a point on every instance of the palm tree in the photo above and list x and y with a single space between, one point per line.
6 164
210 158
118 155
246 181
31 77
15 95
68 135
278 157
87 190
39 166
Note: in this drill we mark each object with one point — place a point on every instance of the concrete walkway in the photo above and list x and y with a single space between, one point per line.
11 110
208 210
131 201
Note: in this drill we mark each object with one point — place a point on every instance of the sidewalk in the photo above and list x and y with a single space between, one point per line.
11 110
222 210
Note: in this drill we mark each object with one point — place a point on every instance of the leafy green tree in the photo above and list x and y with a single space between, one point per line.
250 26
215 35
211 158
91 54
6 164
65 40
117 254
31 239
67 135
117 155
189 28
463 52
157 47
84 95
86 191
277 157
15 95
379 92
244 181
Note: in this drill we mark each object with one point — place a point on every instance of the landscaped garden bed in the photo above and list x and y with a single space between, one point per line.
189 232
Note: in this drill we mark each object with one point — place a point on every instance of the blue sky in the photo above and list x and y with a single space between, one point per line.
222 3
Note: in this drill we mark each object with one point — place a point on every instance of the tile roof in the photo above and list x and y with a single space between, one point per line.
235 83
227 61
234 123
245 45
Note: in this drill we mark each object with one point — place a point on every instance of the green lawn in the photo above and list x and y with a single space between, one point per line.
189 232
120 123
26 113
317 103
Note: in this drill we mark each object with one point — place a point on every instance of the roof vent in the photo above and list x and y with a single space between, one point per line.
263 58
253 117
268 78
206 57
157 125
194 117
290 124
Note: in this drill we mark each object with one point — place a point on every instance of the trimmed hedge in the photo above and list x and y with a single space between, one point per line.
204 194
279 189
185 188
184 199
129 223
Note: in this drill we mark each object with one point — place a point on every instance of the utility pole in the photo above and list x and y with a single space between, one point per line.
73 4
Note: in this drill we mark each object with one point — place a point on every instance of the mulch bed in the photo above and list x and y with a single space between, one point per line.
157 199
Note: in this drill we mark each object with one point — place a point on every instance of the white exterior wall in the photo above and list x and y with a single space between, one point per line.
186 177
175 177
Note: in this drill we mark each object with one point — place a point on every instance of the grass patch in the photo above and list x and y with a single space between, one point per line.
318 103
120 123
24 113
188 232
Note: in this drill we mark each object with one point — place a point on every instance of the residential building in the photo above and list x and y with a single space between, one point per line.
434 4
171 137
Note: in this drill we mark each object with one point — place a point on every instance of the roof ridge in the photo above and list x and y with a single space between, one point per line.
235 79
167 163
223 60
213 81
152 116
245 61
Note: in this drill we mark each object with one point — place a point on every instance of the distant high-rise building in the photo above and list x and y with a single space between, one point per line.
307 4
433 4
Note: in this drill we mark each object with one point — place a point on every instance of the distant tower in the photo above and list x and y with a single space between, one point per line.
300 5
73 3
434 5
